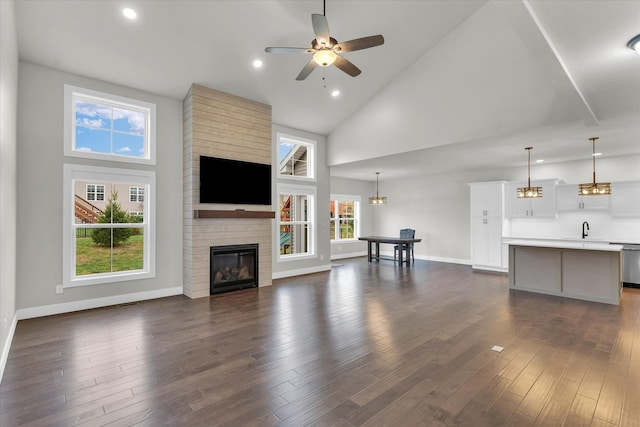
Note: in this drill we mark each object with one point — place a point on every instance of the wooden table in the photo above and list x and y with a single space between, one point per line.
403 242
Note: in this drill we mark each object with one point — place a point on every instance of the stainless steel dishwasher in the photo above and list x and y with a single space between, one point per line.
630 264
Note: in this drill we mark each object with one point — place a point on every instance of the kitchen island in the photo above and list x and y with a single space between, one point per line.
587 270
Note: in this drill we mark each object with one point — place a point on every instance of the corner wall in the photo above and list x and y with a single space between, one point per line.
8 175
218 124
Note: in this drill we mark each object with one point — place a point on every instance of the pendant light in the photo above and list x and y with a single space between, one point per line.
377 200
529 192
594 188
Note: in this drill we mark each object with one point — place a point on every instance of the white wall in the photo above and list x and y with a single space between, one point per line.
8 110
437 206
40 163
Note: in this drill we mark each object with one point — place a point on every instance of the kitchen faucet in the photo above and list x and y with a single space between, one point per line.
585 233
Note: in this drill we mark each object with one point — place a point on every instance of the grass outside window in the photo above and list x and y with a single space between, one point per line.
96 259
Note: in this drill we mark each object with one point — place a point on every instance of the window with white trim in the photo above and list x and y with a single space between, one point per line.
296 157
344 213
107 243
296 222
95 192
108 127
136 194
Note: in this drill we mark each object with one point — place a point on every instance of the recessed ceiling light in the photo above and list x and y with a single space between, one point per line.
540 161
335 93
257 63
129 13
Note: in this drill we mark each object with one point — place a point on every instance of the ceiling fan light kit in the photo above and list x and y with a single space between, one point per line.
324 57
326 50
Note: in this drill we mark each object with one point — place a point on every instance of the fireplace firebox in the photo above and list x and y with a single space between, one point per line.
233 267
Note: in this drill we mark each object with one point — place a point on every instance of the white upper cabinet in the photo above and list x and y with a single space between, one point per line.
568 199
625 199
486 199
543 207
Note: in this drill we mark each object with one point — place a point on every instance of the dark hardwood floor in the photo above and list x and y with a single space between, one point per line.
366 344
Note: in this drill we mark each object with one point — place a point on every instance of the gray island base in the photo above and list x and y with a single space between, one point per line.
587 271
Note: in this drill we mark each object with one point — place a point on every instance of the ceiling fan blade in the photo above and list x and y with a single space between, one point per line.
321 29
346 66
288 50
311 65
359 44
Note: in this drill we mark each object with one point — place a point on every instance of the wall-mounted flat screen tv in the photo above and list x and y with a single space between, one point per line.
234 181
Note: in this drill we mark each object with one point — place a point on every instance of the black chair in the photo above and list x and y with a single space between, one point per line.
405 233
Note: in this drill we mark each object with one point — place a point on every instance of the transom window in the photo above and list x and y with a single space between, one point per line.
344 217
296 157
108 127
296 222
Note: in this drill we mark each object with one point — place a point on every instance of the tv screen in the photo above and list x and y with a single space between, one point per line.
234 181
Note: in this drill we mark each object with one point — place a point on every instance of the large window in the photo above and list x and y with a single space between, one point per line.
296 221
296 157
108 127
109 212
111 239
344 217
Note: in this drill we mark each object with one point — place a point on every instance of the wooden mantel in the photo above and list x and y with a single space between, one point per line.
240 213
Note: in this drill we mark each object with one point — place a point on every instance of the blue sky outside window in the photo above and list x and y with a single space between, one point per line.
285 149
102 128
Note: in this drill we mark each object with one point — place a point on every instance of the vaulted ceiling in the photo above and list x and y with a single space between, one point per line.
457 85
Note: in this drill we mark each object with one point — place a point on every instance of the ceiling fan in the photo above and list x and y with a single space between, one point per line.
326 50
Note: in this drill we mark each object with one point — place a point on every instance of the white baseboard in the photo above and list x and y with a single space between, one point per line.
486 268
349 255
447 260
434 258
7 345
390 254
300 272
67 307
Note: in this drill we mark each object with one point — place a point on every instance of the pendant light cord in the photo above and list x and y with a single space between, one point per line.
529 174
593 158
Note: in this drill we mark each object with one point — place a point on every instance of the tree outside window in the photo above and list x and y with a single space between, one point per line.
295 222
343 212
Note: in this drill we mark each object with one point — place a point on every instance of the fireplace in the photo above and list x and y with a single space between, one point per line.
233 267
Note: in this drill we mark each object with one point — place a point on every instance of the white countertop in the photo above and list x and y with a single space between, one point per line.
564 244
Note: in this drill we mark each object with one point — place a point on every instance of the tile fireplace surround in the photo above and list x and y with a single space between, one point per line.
218 124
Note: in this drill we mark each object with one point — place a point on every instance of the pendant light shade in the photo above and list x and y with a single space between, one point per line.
325 57
594 188
377 200
529 192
